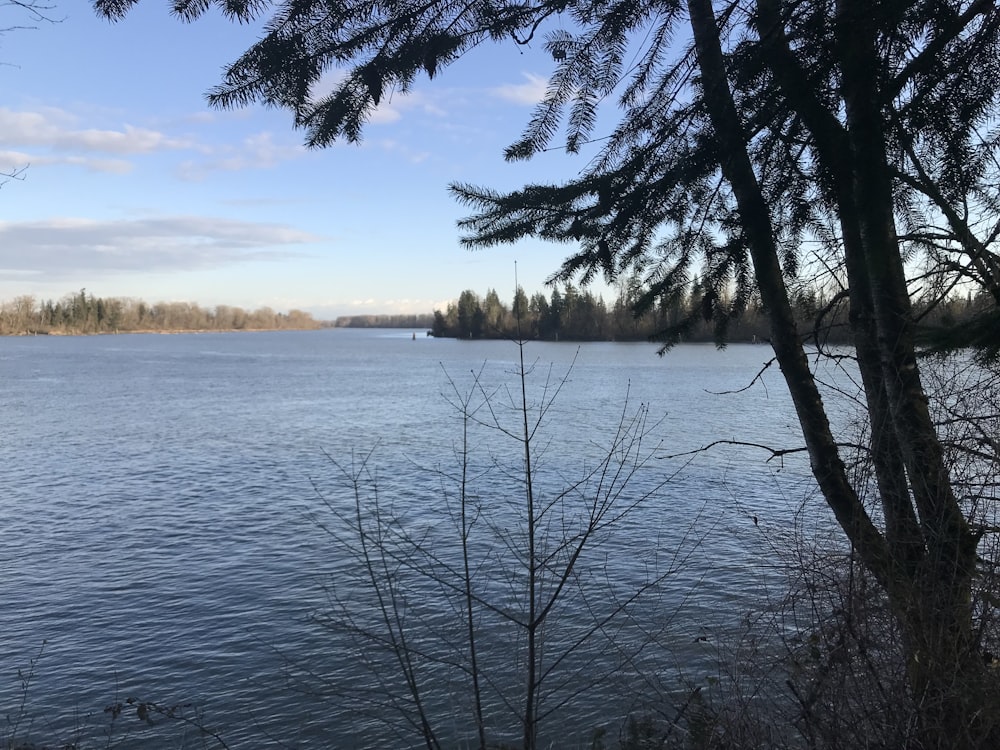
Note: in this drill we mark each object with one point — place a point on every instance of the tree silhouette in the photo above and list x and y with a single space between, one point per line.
757 142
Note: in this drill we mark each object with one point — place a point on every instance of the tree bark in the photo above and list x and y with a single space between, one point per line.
902 529
755 216
926 560
946 672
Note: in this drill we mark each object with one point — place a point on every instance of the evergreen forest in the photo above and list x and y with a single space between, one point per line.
694 314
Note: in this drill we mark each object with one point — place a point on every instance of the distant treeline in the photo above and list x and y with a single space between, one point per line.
577 314
696 315
423 321
82 313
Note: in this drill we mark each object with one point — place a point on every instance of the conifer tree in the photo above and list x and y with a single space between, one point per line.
853 136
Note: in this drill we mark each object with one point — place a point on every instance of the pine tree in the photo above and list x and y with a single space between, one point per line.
848 136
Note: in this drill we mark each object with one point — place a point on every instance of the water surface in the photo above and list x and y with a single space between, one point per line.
163 497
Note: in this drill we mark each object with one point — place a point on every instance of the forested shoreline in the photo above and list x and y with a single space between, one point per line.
83 313
568 313
699 314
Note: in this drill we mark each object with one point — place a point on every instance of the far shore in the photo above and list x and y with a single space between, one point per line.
162 331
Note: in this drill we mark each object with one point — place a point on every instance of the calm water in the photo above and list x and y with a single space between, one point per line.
164 497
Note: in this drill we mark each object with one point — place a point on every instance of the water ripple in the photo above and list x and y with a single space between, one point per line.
161 499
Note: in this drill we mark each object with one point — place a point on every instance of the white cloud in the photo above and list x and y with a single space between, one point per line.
385 114
51 136
531 91
263 148
393 107
108 166
258 151
327 82
64 247
55 129
11 161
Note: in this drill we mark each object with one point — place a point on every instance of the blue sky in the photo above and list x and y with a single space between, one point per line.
134 187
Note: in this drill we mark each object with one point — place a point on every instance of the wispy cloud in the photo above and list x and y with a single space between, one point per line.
57 130
393 107
531 91
50 136
65 247
14 160
258 151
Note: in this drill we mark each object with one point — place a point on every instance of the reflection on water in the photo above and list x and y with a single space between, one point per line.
161 498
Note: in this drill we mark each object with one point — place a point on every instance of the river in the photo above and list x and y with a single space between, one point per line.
175 524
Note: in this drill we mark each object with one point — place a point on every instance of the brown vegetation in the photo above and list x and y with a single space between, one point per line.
83 313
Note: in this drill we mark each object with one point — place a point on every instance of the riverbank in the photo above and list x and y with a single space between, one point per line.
170 331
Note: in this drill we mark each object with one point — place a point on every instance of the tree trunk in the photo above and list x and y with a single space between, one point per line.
926 561
755 217
946 674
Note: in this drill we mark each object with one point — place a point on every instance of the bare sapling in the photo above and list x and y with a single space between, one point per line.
490 606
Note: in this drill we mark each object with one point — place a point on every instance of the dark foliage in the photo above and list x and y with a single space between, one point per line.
760 143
